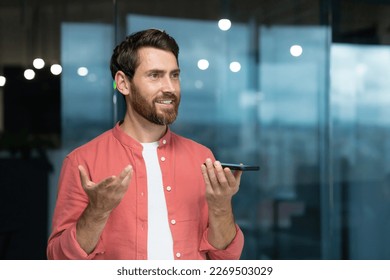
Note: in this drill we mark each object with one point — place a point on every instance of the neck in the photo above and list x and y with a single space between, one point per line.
141 129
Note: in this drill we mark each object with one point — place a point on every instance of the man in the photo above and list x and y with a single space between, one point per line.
169 198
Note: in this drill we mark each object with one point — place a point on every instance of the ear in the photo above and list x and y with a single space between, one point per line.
122 83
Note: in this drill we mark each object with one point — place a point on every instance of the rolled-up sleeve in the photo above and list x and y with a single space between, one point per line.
231 252
64 246
71 202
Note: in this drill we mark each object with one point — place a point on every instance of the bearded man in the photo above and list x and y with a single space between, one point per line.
140 191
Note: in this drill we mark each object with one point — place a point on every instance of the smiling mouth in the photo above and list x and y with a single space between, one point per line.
165 102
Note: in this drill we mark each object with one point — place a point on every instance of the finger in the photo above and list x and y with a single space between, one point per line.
211 172
233 178
237 175
83 176
127 173
221 174
205 175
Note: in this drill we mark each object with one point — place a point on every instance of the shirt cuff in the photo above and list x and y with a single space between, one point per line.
231 252
71 248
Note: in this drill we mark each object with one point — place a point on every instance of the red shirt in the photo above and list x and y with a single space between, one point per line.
125 234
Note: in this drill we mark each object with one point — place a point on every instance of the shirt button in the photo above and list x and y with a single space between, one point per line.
164 141
162 158
142 194
173 222
169 188
178 255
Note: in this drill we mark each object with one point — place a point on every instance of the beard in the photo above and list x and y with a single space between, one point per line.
149 111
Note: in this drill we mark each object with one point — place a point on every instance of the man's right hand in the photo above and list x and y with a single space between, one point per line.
103 198
107 194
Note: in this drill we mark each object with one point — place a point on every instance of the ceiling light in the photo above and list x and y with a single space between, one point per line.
82 71
203 64
29 74
296 50
224 24
235 66
56 69
38 63
2 81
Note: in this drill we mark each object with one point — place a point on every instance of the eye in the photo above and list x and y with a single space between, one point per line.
154 75
175 75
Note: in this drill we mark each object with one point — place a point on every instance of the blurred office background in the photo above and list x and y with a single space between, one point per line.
299 87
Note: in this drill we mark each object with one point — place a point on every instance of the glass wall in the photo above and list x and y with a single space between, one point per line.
292 119
359 102
297 87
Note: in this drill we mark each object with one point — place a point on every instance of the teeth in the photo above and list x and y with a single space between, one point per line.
165 101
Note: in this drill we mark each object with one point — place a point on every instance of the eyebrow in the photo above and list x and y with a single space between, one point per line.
159 71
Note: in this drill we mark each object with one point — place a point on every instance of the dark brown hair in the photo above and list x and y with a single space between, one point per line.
125 56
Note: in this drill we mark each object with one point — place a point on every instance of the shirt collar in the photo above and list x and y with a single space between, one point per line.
127 140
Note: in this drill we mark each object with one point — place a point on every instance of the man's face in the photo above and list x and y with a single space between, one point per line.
155 88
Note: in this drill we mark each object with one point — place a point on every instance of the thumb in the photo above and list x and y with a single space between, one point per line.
237 175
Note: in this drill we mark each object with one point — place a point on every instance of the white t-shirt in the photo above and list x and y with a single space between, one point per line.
160 243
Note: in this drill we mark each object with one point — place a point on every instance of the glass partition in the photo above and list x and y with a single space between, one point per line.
275 125
297 87
293 74
360 101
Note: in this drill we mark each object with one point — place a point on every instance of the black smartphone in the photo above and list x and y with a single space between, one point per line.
243 167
